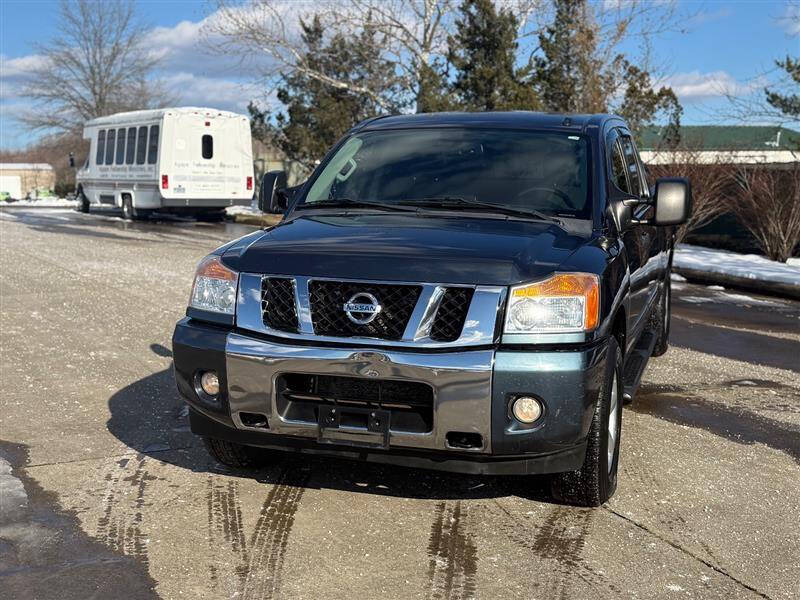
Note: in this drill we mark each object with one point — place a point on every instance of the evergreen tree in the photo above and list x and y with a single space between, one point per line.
483 52
789 103
573 74
319 112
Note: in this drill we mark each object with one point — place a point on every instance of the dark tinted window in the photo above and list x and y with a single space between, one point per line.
101 147
632 165
141 146
152 146
131 149
522 170
208 146
618 169
120 146
110 139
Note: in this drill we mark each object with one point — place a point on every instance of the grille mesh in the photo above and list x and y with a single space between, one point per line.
452 313
328 299
278 308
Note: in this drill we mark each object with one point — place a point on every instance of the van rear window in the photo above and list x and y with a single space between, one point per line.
101 147
208 146
112 136
120 146
141 146
131 149
152 146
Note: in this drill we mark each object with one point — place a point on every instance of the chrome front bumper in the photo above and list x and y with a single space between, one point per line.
472 390
461 383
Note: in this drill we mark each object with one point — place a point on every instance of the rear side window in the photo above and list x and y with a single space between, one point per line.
141 146
101 147
120 146
208 146
152 146
131 149
112 136
618 169
632 165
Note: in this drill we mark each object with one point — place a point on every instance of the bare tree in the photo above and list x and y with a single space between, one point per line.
767 203
711 180
95 66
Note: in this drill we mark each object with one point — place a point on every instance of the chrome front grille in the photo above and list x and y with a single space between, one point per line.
278 303
328 298
411 314
449 321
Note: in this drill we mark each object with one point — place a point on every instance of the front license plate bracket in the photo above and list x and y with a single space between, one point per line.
365 427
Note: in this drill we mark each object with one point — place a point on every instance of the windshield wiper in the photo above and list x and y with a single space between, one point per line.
350 203
452 201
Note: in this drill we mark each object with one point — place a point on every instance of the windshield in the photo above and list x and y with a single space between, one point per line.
520 170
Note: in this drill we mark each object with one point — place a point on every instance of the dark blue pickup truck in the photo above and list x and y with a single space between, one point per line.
476 293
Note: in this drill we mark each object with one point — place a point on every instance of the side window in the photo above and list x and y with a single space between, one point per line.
101 147
632 165
618 169
152 146
131 149
141 146
208 146
120 146
110 139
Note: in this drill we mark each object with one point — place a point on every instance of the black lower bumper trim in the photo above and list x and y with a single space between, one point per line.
566 460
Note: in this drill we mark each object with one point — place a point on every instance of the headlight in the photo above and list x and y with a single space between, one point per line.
566 302
214 287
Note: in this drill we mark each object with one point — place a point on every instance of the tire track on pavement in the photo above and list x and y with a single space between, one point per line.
452 553
268 543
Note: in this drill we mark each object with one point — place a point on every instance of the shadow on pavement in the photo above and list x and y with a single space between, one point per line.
45 554
736 424
150 417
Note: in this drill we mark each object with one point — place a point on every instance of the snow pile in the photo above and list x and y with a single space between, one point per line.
242 210
697 259
43 203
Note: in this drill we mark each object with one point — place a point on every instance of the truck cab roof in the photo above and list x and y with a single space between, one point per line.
518 119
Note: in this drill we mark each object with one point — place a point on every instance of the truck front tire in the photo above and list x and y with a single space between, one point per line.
236 455
596 481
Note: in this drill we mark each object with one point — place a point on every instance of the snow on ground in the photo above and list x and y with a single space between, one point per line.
731 264
43 203
243 210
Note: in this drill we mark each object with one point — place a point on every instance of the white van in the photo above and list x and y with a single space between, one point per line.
184 160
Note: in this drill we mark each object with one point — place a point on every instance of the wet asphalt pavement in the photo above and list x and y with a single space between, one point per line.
104 493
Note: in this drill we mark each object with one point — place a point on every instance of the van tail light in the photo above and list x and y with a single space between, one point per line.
249 183
165 182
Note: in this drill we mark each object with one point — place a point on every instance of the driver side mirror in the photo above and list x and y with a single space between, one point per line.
672 200
272 194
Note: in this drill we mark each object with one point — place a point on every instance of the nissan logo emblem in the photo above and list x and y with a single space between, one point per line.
362 308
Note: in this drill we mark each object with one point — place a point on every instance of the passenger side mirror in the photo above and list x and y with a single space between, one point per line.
272 196
673 201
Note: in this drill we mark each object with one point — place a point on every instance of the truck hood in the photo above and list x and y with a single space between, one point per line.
399 247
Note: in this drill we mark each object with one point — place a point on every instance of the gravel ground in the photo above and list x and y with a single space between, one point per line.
105 493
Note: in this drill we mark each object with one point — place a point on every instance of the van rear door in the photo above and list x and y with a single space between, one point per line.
207 156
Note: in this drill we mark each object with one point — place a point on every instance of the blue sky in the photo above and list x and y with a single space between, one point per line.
727 45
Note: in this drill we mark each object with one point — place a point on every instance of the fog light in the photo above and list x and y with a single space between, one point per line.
209 382
526 409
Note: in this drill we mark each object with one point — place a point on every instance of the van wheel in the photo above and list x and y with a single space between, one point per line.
236 455
127 208
596 480
83 202
660 320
